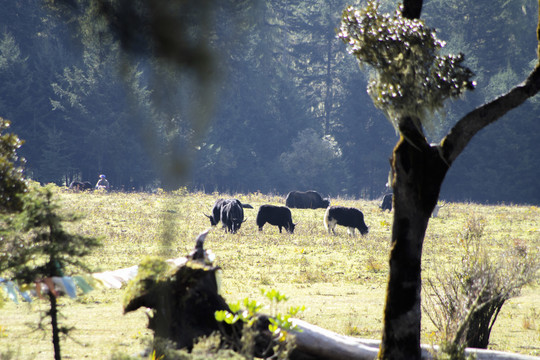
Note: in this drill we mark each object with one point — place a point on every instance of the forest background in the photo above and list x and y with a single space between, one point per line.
288 106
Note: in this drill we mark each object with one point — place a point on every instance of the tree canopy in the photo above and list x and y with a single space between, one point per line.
276 69
412 78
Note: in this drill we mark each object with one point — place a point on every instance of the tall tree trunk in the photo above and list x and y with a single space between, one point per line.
54 325
418 172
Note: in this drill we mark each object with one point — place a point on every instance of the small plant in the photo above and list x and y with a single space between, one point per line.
472 232
8 355
279 324
266 280
385 224
352 330
373 265
452 351
156 357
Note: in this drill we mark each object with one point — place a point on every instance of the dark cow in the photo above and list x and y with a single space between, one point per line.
81 185
216 217
306 200
345 216
232 215
386 203
275 215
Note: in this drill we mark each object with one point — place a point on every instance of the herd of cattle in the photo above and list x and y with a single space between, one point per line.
230 212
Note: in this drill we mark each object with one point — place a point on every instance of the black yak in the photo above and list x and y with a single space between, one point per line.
216 216
386 203
350 217
306 200
275 215
232 215
81 185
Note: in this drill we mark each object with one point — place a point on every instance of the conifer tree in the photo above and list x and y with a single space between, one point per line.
39 248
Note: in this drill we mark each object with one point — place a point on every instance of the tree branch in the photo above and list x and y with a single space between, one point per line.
460 135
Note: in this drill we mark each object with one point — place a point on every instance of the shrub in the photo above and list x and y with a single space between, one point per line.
464 303
248 339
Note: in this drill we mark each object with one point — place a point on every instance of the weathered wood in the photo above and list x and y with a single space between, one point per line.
320 343
183 304
314 342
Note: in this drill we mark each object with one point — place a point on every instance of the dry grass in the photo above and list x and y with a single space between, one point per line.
340 279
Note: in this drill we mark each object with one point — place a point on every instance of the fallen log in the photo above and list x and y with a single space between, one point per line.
314 343
319 343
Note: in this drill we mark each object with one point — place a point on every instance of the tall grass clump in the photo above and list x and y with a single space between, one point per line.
464 303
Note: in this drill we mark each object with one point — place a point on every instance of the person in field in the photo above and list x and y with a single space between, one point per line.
102 183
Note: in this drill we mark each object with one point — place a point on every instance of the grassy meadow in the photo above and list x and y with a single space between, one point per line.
340 279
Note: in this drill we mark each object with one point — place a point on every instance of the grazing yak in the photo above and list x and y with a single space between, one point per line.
275 215
232 215
306 200
345 216
236 211
386 203
81 185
